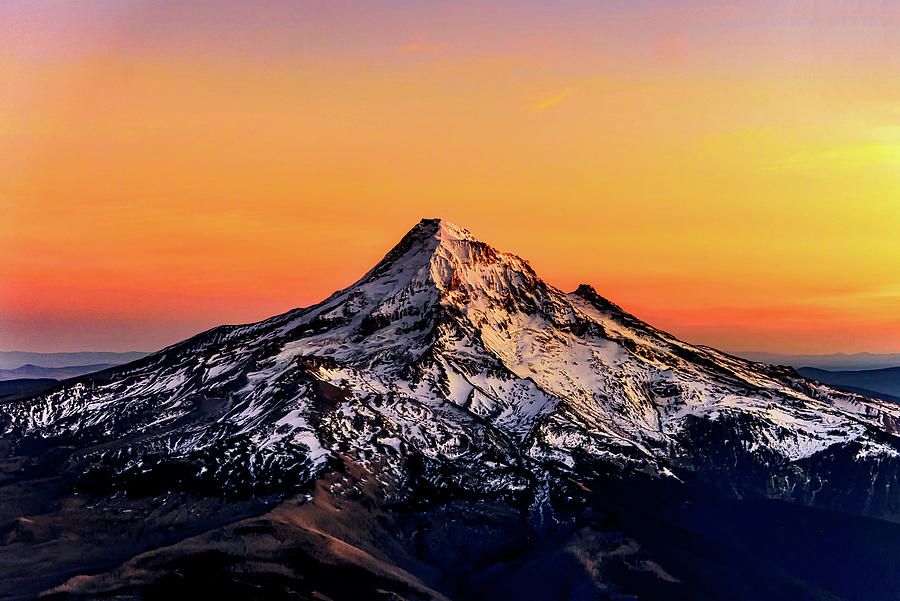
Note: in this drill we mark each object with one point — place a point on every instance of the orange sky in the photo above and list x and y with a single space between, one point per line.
727 171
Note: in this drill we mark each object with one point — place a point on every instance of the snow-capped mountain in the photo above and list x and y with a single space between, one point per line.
458 353
452 369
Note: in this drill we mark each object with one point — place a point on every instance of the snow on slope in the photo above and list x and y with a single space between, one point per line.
459 354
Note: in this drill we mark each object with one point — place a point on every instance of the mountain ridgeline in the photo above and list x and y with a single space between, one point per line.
450 427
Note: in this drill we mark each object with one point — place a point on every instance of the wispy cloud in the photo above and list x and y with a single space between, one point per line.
554 100
842 156
418 44
875 293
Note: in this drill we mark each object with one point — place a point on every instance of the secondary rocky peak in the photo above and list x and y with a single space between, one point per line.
590 294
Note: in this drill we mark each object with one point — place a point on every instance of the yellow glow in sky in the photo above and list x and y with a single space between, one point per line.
730 172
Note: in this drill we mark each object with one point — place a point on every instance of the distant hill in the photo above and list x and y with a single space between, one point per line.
14 359
833 362
14 389
883 381
53 373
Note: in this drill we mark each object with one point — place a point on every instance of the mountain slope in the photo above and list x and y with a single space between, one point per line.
452 371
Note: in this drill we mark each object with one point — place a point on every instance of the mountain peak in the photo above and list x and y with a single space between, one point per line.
453 256
425 242
441 229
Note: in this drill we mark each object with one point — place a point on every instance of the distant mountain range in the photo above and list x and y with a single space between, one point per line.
14 359
882 383
23 372
449 427
54 373
832 362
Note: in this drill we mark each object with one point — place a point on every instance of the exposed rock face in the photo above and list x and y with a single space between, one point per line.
451 370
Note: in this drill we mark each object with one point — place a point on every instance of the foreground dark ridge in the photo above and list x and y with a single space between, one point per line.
435 429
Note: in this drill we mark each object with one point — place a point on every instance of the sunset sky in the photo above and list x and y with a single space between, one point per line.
728 171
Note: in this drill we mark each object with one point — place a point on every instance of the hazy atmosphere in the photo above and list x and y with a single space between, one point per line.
727 171
383 300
